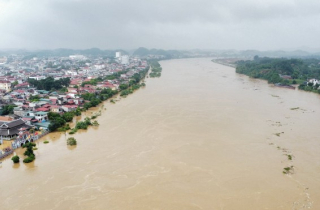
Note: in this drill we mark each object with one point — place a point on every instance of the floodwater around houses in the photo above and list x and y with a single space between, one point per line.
199 137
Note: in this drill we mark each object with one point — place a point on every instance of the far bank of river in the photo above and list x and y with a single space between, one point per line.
199 137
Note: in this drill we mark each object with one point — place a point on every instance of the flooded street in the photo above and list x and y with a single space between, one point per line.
199 137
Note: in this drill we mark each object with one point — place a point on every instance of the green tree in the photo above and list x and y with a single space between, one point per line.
14 83
68 116
8 109
15 159
123 86
71 141
78 111
29 152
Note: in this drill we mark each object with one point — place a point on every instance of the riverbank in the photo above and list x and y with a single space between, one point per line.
124 90
226 61
283 72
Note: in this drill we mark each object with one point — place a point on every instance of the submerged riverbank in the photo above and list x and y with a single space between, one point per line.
61 121
202 136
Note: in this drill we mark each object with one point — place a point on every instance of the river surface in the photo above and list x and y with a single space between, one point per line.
199 137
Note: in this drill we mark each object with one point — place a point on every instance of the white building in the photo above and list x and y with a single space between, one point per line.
125 60
99 66
3 60
314 81
5 85
118 54
37 77
77 57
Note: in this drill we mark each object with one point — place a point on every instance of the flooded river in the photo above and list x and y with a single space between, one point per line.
199 137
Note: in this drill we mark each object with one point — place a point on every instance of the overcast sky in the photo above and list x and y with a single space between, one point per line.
167 24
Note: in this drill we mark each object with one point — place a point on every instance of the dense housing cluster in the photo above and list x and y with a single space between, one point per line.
43 94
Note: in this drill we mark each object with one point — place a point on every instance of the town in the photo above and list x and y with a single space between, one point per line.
39 95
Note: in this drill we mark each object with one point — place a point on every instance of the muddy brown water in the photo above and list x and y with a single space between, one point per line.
199 137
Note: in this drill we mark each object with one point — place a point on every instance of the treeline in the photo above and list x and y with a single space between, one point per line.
58 122
134 83
92 82
309 86
155 68
83 125
94 99
49 83
270 69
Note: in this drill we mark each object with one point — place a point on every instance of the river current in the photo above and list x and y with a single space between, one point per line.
199 137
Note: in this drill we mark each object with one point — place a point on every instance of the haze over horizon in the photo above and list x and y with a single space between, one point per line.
178 24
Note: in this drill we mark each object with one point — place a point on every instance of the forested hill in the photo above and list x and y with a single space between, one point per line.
271 69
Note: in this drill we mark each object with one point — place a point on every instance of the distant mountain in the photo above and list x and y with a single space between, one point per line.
141 51
65 52
278 54
167 54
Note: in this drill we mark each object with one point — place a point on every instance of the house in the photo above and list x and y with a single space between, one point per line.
43 109
28 120
41 116
285 76
22 85
9 130
78 101
54 101
42 125
55 108
5 85
75 82
44 92
71 95
69 108
5 119
72 90
314 81
20 111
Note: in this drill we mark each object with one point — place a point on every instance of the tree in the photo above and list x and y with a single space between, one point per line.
286 82
86 106
8 109
29 152
78 112
57 121
123 86
53 115
15 83
49 83
15 159
71 141
64 89
68 116
34 98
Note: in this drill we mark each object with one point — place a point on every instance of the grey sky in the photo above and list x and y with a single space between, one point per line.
167 24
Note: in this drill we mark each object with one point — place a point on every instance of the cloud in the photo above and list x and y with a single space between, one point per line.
182 24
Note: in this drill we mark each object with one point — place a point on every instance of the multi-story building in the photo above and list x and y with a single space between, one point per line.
125 60
5 85
118 54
